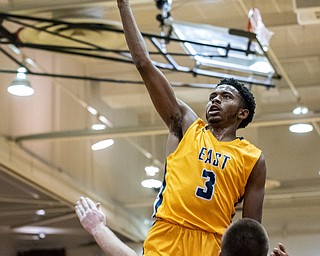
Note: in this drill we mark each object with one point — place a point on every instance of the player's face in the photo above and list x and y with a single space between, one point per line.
224 105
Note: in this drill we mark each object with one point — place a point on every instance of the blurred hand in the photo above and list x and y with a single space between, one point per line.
90 215
281 251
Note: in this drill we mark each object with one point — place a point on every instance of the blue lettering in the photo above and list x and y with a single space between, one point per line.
209 157
216 161
225 160
206 156
201 153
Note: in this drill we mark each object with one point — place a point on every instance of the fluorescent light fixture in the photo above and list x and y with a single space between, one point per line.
151 170
301 128
15 49
30 61
224 58
102 144
38 230
300 110
105 120
92 110
98 127
151 183
20 86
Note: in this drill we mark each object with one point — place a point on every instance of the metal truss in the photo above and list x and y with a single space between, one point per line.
91 50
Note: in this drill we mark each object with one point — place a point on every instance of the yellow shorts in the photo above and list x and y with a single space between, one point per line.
167 239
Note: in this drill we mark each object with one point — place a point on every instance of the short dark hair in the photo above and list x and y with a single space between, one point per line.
248 98
245 237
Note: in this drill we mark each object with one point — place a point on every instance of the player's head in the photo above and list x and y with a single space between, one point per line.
248 100
245 237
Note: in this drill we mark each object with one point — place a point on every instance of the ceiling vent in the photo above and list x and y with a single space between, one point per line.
308 12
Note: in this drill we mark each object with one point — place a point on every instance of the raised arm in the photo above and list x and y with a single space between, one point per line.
255 189
94 221
171 110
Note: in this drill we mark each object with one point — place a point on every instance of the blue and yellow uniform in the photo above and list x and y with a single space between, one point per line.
204 180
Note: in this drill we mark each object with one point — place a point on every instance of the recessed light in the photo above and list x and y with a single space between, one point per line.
42 235
151 170
151 183
98 127
301 128
301 110
102 144
41 212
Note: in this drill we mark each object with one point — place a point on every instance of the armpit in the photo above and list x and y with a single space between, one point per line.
176 126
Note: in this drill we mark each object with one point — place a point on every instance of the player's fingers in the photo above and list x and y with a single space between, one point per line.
84 203
78 212
281 246
90 203
276 251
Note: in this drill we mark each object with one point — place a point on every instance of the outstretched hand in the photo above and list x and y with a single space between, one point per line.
90 215
281 251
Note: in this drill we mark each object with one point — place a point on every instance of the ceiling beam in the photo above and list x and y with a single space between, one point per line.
17 163
125 132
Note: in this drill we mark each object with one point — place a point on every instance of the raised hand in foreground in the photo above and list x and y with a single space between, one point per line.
281 251
93 220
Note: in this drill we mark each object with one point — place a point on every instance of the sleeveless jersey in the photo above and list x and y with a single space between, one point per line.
204 180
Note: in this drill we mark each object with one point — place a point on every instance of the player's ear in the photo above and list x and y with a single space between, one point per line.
243 113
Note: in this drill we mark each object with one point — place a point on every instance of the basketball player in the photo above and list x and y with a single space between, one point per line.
208 169
245 237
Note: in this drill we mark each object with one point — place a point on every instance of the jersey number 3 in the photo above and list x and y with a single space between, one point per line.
207 191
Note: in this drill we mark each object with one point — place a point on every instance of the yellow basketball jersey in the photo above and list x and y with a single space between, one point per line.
204 180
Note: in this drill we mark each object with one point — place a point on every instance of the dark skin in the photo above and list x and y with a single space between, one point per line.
224 110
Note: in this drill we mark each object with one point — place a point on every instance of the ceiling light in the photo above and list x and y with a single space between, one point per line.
30 61
41 212
14 48
102 144
92 110
98 127
38 230
20 86
42 235
151 183
104 120
151 170
301 128
300 110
